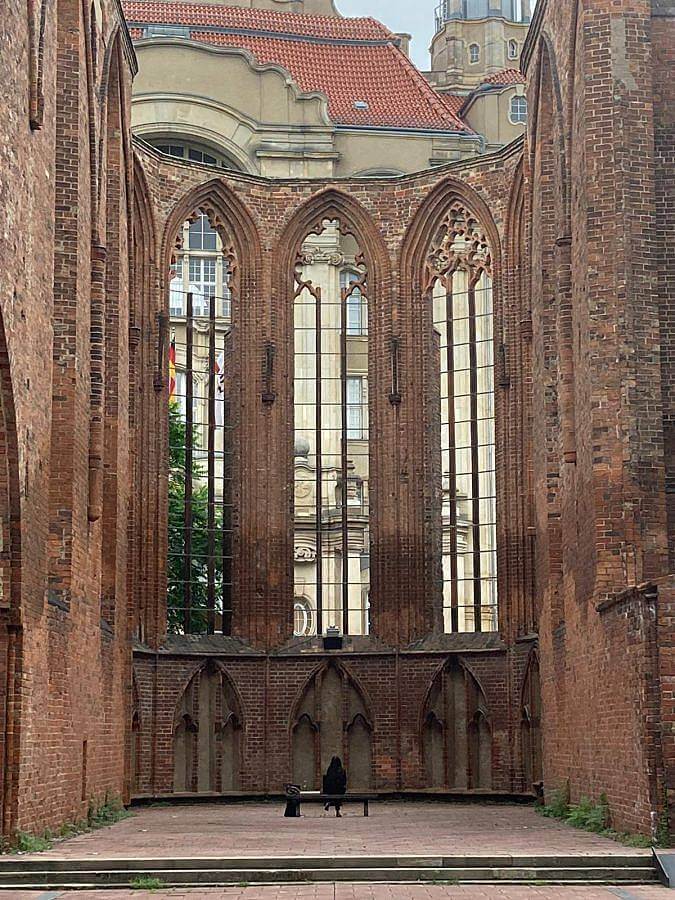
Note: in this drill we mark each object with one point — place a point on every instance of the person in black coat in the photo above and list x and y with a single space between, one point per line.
335 784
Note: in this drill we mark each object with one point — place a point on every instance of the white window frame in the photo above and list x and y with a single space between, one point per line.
301 605
520 117
357 409
474 50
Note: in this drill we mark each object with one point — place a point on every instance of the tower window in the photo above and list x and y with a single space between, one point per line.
513 50
474 53
518 111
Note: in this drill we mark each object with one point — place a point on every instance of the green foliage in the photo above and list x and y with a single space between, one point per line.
559 806
198 575
147 883
590 816
638 841
110 811
663 826
32 843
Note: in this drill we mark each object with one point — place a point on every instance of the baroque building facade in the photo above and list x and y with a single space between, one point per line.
434 407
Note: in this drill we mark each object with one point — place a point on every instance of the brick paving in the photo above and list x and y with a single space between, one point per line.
360 892
394 828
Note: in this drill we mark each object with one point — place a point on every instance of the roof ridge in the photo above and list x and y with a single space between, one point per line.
335 22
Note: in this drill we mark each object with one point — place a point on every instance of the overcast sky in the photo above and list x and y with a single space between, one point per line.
414 16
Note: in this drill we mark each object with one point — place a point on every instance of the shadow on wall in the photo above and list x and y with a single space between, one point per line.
456 733
332 720
207 734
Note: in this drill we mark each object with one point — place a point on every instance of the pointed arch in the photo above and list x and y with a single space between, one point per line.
355 219
204 593
339 371
427 219
451 294
148 542
331 717
227 214
208 733
455 730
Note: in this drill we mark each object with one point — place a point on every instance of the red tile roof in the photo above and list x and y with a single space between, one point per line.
506 76
349 60
454 102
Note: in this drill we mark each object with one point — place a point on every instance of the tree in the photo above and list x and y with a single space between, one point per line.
198 573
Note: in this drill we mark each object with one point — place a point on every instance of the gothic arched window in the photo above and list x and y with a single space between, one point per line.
201 287
459 269
332 534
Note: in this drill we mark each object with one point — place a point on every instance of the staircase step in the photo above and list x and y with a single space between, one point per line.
119 876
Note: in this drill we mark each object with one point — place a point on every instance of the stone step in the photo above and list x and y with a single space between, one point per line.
47 863
51 878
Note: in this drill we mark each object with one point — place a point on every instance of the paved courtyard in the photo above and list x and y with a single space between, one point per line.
393 828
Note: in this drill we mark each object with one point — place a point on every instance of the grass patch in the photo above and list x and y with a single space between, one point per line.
100 815
593 817
33 843
147 883
108 813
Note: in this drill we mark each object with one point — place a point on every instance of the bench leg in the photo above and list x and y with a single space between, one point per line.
365 808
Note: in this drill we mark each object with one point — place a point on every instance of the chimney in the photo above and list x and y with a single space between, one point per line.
404 42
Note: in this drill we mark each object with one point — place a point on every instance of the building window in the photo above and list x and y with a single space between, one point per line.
331 456
357 409
191 151
474 53
303 618
357 318
513 50
460 266
202 269
518 111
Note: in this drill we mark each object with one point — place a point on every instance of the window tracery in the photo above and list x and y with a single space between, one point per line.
459 281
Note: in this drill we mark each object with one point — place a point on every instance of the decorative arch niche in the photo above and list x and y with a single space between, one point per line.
207 734
456 732
332 719
530 725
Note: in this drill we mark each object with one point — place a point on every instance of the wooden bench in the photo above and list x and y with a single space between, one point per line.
349 797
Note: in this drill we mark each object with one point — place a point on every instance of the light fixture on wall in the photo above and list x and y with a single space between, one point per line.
332 639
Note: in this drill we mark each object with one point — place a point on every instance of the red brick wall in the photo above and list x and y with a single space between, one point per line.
600 511
580 227
63 190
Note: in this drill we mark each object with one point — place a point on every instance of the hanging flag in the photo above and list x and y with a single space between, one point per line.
220 389
172 370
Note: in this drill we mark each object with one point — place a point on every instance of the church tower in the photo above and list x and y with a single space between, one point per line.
476 39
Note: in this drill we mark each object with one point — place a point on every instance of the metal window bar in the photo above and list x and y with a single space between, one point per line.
200 583
189 413
475 478
344 295
452 472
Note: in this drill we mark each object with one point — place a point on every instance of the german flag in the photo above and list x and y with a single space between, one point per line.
172 370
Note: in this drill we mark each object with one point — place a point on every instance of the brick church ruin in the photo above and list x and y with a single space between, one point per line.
299 345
